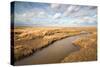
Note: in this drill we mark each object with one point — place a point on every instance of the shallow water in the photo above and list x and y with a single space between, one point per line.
54 53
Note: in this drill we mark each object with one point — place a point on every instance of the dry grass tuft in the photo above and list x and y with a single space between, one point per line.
88 49
82 55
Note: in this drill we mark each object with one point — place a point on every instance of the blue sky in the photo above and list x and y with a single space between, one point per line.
48 14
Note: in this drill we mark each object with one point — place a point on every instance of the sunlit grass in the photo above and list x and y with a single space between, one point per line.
28 40
88 49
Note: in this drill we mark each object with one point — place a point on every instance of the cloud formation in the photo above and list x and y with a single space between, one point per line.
47 14
57 15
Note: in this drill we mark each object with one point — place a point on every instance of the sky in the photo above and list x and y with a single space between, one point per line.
52 14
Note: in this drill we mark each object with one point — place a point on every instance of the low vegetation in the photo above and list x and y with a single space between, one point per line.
29 40
88 49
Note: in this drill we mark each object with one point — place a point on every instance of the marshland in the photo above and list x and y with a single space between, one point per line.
57 44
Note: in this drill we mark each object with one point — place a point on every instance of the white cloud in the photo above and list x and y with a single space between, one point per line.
95 16
89 19
57 15
79 11
27 16
54 6
63 14
42 13
69 10
85 20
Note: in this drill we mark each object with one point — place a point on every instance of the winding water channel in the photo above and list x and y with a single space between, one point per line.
54 53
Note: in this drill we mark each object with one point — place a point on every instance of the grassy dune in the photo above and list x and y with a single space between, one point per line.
88 49
28 40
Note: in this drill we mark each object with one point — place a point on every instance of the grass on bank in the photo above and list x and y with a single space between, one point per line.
88 49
